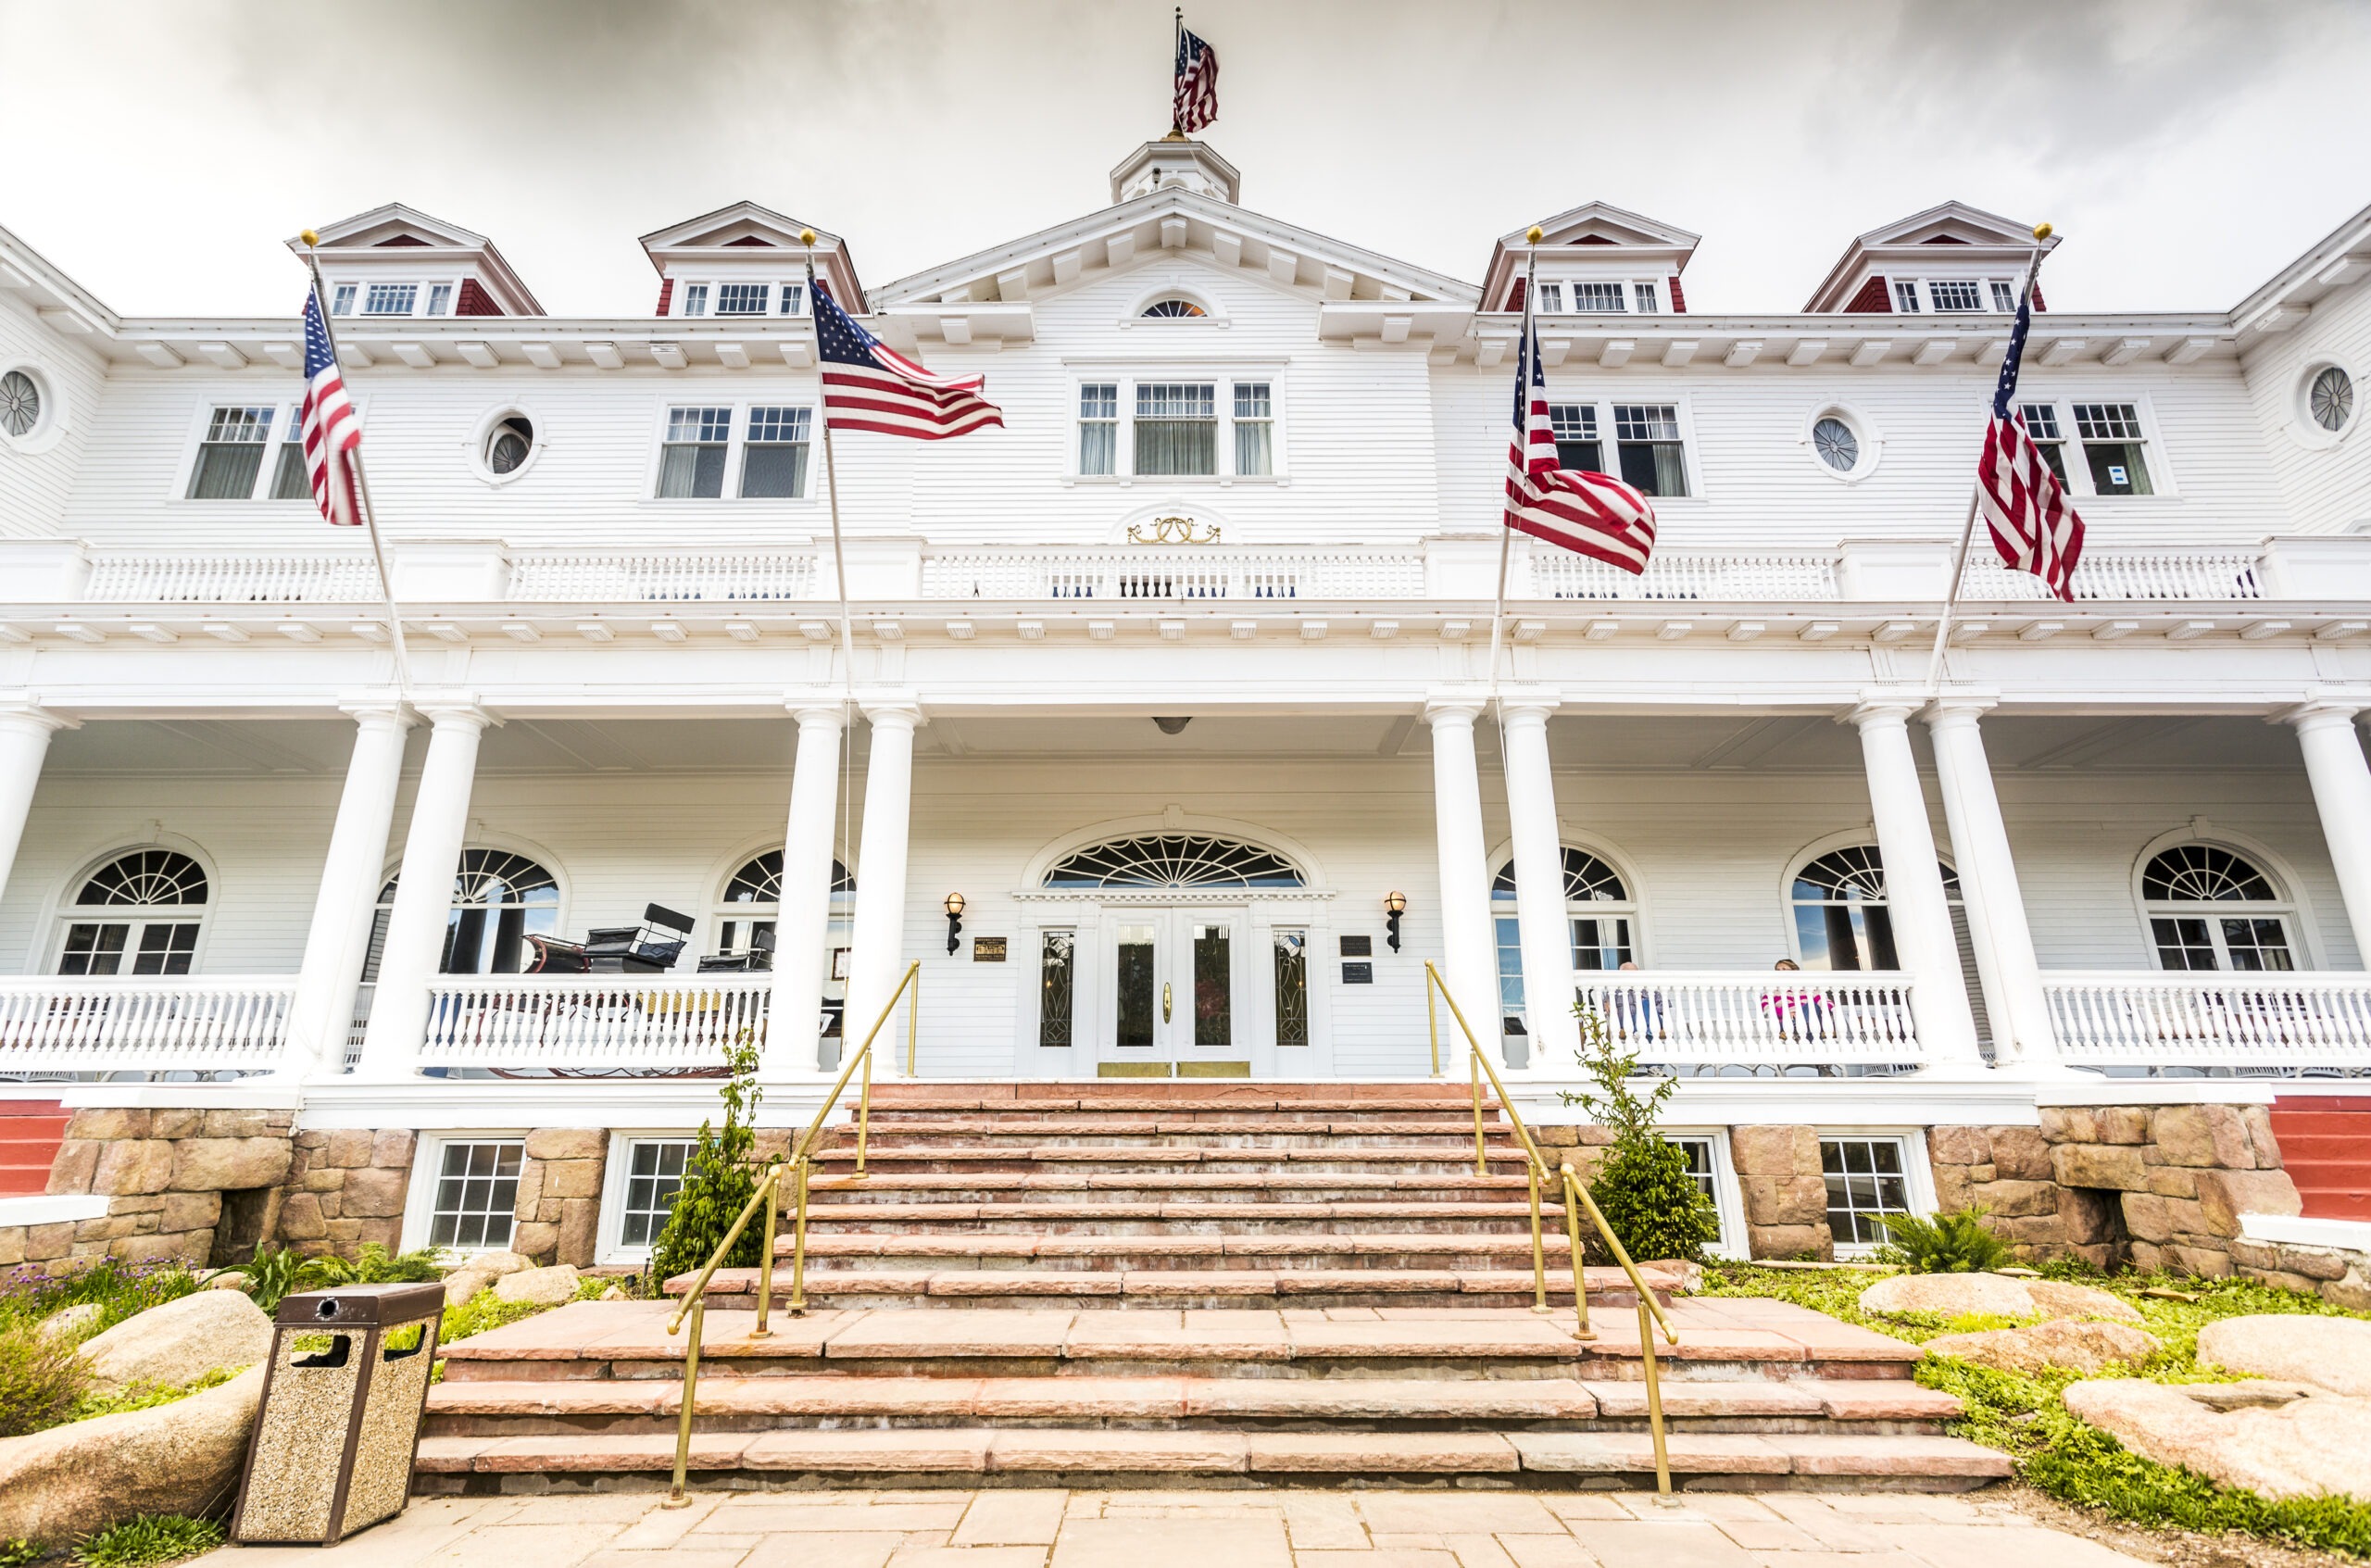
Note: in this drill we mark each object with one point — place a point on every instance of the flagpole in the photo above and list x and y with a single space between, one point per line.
831 484
1177 47
1522 394
1975 499
361 485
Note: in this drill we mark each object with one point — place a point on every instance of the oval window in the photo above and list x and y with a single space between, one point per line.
1836 444
509 443
2330 398
19 403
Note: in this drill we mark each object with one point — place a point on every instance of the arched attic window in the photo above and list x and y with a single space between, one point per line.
1171 309
1177 859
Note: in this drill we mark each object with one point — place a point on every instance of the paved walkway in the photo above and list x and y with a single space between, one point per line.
1209 1529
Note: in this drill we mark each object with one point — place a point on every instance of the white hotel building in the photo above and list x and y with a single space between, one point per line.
1177 679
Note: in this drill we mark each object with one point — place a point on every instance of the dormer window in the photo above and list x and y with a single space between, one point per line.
1552 299
439 300
721 299
695 300
2004 298
1596 299
742 300
1650 298
1956 294
391 300
1171 310
342 300
1905 298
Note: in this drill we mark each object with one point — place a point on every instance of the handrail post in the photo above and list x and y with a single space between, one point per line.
676 1497
1481 1166
864 1114
771 1189
1433 1014
1573 1240
798 1304
1654 1398
1538 1246
913 1015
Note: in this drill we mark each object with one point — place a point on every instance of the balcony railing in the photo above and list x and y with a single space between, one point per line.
1763 1019
1133 573
590 1023
2126 574
185 577
2260 1022
74 1025
652 576
1688 574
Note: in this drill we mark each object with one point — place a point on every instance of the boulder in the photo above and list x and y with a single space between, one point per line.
182 1458
1949 1296
2058 1299
463 1284
180 1342
615 1293
2084 1346
555 1287
498 1263
2302 1449
73 1323
2332 1353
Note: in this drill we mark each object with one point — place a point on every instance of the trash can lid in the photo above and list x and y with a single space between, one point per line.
362 1305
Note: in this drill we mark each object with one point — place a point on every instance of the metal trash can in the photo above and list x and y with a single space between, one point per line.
331 1449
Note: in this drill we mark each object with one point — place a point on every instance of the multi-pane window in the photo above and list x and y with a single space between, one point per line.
477 1195
1255 429
439 300
145 907
1588 297
1176 428
390 299
1057 988
1866 1179
692 462
773 460
290 481
695 300
1098 428
653 1175
1291 955
2041 423
1577 448
342 300
1956 294
742 300
1905 297
2004 297
1647 437
1552 299
231 455
2112 446
1705 1175
1649 298
2210 908
794 298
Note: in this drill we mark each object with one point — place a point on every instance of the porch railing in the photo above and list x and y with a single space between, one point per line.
2128 574
1763 1019
87 1025
1688 574
1133 573
663 575
589 1022
2264 1023
183 577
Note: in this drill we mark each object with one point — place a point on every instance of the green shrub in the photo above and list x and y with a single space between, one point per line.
1643 1186
144 1543
718 1180
145 1396
41 1376
119 1289
375 1265
276 1273
1947 1244
19 1552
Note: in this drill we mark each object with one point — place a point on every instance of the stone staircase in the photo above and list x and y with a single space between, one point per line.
31 1131
2326 1145
1133 1284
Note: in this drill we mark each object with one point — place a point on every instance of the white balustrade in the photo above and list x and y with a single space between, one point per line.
112 1024
2268 1022
652 576
1127 572
1687 574
2124 574
1764 1018
160 577
591 1021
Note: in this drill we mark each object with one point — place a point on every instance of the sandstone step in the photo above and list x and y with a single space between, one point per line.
1457 1124
1170 1095
1446 1157
1304 1186
971 1456
1319 1251
1169 1134
1243 1287
1175 1219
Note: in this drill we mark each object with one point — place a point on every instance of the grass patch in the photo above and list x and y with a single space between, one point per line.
2057 1452
41 1378
148 1395
145 1543
485 1312
27 1295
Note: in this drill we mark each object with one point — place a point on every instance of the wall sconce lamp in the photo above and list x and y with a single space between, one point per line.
954 906
1394 903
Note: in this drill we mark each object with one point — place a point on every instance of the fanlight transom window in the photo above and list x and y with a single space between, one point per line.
154 902
753 899
1587 880
1599 911
144 877
499 899
1175 861
1842 917
2211 909
1171 310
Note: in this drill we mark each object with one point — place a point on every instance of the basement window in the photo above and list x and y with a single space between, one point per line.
1867 1179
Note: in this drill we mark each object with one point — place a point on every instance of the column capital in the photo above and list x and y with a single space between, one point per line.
22 711
374 710
453 710
1882 709
1455 705
1525 705
2324 711
891 709
1954 711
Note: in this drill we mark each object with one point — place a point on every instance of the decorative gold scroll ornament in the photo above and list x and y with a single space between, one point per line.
1174 531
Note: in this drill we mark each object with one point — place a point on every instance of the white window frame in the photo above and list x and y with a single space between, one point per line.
2287 908
780 292
52 424
424 292
2163 484
735 445
1918 1176
2303 426
71 914
1224 377
284 419
1864 432
1609 440
1729 1199
419 1198
609 1246
1920 291
1627 287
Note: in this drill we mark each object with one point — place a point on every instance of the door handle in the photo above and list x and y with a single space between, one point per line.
1164 1003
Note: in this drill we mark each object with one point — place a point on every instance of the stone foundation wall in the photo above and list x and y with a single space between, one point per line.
164 1174
1784 1195
346 1188
559 1195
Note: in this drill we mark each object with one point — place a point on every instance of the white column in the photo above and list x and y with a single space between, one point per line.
1996 906
804 924
1468 951
322 1012
877 945
25 728
2342 795
440 821
1921 916
1539 884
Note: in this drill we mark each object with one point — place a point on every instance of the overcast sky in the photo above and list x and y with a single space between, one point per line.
2186 148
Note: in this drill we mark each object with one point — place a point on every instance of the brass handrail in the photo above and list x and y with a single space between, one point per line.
1577 1201
694 1305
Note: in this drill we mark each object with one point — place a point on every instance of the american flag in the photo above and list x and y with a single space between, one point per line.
328 424
1592 514
1198 83
2024 504
868 385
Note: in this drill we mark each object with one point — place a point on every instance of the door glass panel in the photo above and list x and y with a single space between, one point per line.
1292 987
2182 944
1056 988
2257 945
1213 988
165 950
1135 987
93 949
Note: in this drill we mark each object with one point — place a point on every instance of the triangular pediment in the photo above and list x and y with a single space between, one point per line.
1952 223
744 225
1597 223
396 226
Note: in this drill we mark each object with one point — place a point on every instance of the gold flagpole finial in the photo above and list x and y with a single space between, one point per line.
2041 230
1535 234
807 236
309 237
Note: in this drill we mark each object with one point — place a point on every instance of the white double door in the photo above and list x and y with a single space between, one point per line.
1177 992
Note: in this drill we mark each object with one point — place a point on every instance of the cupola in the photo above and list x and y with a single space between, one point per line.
1175 163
